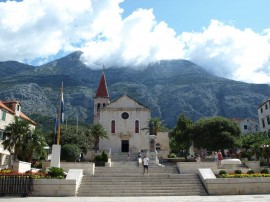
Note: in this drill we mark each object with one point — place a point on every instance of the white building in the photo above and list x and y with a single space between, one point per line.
8 111
264 116
124 119
247 125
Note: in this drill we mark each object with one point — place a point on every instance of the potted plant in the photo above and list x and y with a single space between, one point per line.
101 159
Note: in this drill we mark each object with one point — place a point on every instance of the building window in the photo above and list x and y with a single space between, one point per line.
266 106
113 126
245 127
263 124
98 106
268 120
137 126
4 114
2 135
261 110
125 115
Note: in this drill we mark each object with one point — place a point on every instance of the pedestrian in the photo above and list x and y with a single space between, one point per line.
219 157
128 157
145 163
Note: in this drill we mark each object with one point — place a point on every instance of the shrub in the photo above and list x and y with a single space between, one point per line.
70 152
264 171
171 155
102 157
238 172
250 172
222 172
55 172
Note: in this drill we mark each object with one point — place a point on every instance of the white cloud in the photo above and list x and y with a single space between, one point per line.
40 29
229 52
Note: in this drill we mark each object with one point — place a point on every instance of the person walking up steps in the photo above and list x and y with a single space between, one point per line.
145 164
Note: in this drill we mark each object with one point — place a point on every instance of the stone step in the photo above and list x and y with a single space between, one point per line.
144 194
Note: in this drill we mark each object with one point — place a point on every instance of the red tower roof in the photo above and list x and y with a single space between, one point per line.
102 90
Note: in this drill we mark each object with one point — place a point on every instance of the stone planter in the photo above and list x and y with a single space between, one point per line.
254 165
233 186
100 163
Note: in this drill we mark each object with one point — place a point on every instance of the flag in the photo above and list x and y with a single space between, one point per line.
55 125
62 108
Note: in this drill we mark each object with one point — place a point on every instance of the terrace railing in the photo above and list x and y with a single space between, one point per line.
16 185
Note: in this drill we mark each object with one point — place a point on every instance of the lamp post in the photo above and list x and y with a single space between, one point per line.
267 151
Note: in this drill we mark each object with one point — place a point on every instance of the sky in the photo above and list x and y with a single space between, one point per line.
228 38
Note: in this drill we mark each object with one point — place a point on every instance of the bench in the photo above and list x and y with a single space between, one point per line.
230 163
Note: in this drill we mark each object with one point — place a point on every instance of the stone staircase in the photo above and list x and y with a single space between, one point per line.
126 178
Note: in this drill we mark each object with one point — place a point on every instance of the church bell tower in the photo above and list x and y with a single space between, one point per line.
102 97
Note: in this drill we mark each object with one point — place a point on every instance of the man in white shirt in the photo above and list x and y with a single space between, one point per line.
145 164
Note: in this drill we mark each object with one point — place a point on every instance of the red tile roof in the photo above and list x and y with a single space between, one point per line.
102 90
3 106
22 115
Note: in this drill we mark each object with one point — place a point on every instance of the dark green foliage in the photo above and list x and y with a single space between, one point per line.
70 152
55 172
238 172
264 171
171 155
102 157
97 132
215 133
222 172
250 172
180 136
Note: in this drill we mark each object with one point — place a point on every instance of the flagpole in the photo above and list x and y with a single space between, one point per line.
59 115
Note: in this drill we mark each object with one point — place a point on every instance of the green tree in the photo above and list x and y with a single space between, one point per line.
33 146
15 133
180 136
215 133
70 152
97 132
158 125
253 143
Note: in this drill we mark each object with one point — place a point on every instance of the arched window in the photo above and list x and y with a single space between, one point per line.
113 126
137 127
98 106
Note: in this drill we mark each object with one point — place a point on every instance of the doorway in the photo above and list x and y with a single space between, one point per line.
125 146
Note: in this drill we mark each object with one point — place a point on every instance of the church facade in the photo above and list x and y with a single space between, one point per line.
124 119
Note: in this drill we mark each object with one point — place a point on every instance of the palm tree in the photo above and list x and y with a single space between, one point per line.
33 145
15 133
97 132
158 125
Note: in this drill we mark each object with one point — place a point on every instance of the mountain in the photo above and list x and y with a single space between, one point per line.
168 88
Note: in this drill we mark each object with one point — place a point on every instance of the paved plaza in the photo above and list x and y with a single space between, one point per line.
231 198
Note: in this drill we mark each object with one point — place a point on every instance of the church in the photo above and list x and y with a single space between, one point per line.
124 119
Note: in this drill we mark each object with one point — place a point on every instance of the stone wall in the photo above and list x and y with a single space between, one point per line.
234 186
192 167
58 187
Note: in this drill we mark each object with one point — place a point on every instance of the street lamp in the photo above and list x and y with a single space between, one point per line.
267 151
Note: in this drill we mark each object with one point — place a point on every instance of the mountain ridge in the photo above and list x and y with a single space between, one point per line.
168 88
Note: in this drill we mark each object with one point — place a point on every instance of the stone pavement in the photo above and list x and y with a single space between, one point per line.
231 198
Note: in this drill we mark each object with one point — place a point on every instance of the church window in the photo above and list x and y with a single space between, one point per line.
125 115
137 126
98 106
113 126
